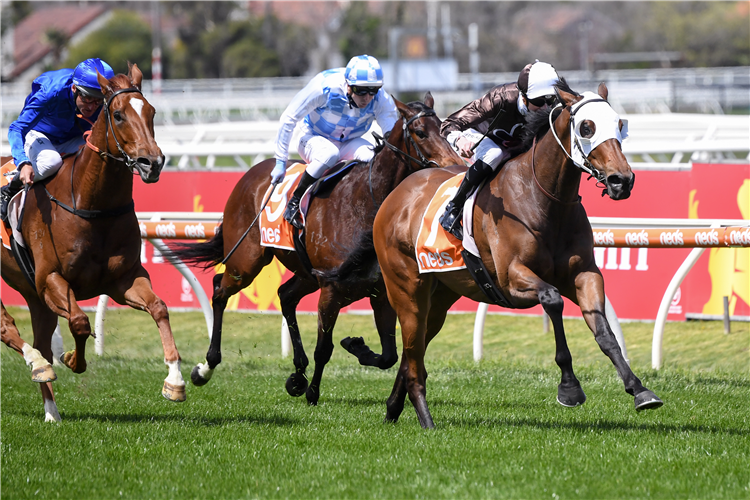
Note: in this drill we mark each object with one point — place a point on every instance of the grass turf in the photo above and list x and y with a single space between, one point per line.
500 432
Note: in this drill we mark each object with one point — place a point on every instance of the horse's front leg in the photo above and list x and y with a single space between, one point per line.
58 295
329 305
290 293
590 297
385 322
141 296
526 285
41 368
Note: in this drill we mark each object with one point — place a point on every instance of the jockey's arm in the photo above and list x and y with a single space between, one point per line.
306 100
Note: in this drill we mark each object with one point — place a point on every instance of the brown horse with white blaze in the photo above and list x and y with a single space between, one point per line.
533 238
83 237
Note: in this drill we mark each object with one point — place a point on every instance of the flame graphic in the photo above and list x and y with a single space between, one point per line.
729 268
263 290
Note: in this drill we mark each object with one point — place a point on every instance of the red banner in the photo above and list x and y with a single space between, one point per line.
635 278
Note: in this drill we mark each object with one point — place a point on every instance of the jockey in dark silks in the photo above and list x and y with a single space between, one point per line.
63 104
496 120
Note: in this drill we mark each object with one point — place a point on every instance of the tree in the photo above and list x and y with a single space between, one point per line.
125 37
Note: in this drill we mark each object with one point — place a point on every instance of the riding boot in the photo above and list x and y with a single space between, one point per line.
292 208
451 219
7 192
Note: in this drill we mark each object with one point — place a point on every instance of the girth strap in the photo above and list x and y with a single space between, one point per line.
92 214
483 279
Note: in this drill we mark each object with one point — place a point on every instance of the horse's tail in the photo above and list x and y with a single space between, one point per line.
362 264
205 254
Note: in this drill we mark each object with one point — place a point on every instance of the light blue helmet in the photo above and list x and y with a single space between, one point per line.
364 71
84 77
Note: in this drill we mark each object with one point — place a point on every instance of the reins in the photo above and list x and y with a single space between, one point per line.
129 162
546 193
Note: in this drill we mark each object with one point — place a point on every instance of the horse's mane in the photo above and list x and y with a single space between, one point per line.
419 106
537 122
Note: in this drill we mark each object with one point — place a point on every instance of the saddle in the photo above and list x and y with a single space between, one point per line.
11 229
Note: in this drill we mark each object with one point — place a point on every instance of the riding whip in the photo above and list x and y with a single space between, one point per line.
270 193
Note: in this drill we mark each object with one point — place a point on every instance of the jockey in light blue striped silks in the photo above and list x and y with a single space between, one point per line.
337 107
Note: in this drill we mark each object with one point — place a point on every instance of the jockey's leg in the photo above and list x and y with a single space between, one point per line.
320 154
489 156
7 192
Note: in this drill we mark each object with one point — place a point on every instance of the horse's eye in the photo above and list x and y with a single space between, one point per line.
421 134
117 115
587 129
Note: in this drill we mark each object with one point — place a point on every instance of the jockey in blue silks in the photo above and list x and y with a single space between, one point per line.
337 107
63 104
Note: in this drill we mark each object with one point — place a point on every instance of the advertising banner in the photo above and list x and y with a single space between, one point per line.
635 278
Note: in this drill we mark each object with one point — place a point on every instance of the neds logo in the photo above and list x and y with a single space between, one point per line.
604 238
671 238
637 239
707 237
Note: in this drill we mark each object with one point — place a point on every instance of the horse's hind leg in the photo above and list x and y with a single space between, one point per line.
141 296
202 372
290 293
50 406
590 297
385 322
41 368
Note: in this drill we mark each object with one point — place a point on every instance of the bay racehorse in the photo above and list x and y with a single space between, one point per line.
338 224
84 240
533 237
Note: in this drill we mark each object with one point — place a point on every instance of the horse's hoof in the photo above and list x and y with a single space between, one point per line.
647 400
312 394
67 358
350 343
570 396
43 374
296 384
201 374
174 392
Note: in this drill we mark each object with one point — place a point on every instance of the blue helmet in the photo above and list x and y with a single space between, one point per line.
84 77
364 71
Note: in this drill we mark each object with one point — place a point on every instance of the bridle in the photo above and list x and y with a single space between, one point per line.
422 160
129 162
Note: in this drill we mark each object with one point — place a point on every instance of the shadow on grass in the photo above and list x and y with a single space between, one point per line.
656 428
269 420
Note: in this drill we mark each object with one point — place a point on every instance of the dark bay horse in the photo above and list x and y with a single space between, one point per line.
83 237
533 237
338 224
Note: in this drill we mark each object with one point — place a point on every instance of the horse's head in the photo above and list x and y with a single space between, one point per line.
596 132
130 122
420 130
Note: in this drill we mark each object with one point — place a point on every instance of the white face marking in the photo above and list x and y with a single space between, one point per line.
137 105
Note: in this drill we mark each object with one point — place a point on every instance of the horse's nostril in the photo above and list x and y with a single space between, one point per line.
142 160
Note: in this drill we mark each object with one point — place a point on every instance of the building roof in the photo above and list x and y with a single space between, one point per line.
29 40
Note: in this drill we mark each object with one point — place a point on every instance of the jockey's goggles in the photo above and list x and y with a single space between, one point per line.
542 100
89 100
364 90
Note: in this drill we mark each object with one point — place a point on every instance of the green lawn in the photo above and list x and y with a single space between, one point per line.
500 433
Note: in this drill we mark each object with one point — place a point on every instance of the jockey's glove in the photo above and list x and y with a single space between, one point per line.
278 172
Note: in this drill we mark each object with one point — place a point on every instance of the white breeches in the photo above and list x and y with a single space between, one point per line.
46 157
320 153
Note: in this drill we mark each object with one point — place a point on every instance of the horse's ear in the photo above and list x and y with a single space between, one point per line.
135 75
567 98
602 91
428 100
404 110
104 84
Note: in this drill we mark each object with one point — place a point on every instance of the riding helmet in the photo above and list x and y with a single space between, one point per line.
84 77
